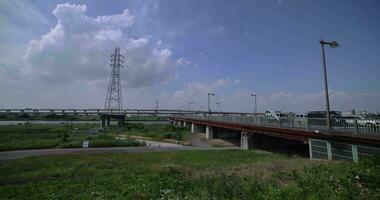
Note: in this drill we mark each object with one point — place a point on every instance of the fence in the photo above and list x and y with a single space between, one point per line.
354 126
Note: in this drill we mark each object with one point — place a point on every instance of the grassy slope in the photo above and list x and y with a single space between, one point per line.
13 137
230 174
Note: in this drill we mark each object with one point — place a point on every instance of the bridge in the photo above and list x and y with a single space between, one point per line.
348 140
98 111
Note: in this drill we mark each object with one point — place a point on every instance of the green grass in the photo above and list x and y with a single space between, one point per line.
16 137
219 174
155 131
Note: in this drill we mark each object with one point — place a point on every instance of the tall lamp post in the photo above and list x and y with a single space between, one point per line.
190 105
218 103
332 44
255 108
208 102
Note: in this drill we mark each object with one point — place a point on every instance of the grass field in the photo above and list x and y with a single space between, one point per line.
14 137
222 174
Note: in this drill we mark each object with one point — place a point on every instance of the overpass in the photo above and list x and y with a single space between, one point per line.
98 111
346 140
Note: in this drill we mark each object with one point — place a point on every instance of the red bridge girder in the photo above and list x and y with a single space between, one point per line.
292 134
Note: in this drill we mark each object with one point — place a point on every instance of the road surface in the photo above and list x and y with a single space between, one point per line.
152 146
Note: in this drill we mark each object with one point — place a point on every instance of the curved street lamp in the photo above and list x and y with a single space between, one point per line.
218 103
332 44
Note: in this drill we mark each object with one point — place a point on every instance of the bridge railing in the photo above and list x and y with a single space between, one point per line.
338 125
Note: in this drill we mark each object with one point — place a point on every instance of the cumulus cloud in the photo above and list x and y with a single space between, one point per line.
78 48
182 62
197 89
218 29
201 53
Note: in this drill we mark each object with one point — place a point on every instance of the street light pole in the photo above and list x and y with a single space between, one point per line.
255 108
190 105
208 102
332 44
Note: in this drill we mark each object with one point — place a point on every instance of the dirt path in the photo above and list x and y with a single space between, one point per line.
195 139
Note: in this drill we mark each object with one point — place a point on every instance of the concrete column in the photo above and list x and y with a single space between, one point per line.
103 122
329 153
209 132
310 150
120 122
355 156
246 141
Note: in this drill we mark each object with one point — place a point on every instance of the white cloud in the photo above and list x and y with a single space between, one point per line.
218 29
78 48
197 90
182 62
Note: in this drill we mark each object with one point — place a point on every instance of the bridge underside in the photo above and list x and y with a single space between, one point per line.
106 119
315 145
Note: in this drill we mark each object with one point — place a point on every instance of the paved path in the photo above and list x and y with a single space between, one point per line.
159 144
153 147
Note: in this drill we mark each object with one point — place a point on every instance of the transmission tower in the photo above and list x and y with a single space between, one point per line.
114 103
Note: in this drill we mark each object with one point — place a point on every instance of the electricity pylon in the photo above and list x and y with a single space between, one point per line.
114 103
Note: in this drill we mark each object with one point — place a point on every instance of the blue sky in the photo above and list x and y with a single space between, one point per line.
187 48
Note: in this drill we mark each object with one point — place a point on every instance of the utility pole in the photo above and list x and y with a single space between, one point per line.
332 44
190 105
208 102
218 103
255 105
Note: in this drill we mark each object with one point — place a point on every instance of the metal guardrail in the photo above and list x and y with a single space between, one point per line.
354 126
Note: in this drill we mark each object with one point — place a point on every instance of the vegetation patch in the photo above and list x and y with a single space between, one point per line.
17 137
231 174
158 132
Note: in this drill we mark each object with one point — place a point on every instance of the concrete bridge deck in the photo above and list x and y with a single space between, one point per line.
286 133
323 144
99 111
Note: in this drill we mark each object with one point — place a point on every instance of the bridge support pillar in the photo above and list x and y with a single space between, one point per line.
209 132
246 142
103 123
106 120
120 122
